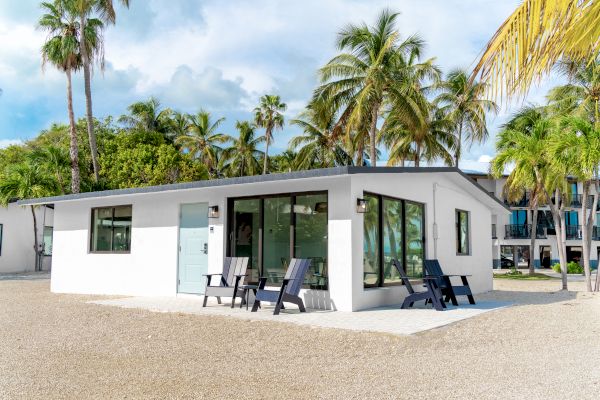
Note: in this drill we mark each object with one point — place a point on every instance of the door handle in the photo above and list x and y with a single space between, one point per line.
205 248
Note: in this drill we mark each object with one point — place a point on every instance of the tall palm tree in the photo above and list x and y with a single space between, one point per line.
581 95
268 115
319 147
25 181
523 142
93 51
149 116
359 79
534 37
53 160
464 102
201 139
577 146
62 50
241 158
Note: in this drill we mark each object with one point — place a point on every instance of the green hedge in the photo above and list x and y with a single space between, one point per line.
572 268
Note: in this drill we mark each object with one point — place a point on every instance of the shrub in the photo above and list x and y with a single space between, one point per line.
572 268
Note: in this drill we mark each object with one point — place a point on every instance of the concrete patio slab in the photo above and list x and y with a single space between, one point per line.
391 320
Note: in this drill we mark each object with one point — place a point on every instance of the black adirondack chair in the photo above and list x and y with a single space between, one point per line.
290 287
433 268
232 277
431 294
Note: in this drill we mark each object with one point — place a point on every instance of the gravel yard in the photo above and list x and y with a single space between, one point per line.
58 346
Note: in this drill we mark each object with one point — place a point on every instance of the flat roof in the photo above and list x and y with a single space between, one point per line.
313 173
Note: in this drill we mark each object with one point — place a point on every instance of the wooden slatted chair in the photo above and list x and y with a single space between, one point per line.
232 277
432 293
290 287
433 268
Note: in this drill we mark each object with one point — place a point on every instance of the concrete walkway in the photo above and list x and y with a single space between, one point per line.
384 319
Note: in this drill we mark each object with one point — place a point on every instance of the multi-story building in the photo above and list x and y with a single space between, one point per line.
512 234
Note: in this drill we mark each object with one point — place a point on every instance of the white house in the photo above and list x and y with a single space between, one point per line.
158 241
17 241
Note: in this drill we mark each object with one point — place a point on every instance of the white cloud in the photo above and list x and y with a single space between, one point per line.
484 158
4 143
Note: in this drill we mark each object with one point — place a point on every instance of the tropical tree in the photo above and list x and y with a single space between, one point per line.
358 80
464 103
268 115
201 139
318 147
61 49
54 161
149 116
522 142
242 157
93 50
534 37
26 181
577 146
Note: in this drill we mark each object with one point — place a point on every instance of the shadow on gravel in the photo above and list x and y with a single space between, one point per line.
531 298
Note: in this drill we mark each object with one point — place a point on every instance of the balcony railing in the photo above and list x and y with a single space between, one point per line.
596 233
571 200
573 232
523 231
524 202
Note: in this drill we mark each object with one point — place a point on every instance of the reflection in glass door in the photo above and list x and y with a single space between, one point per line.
276 247
245 233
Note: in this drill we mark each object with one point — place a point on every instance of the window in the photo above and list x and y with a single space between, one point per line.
273 229
47 240
518 217
111 230
1 228
462 233
571 218
393 229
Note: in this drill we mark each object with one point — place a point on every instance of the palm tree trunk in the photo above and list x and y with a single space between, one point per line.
373 134
88 104
563 246
73 149
60 182
265 162
35 239
533 238
586 233
417 154
560 232
459 147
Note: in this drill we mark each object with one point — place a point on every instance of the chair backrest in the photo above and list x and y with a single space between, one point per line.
433 267
233 266
297 271
403 276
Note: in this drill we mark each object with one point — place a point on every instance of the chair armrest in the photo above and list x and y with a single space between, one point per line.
212 274
240 275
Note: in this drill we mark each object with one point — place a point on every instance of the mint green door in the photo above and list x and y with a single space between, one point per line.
193 248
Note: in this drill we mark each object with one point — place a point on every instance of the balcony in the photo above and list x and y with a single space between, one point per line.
524 202
596 233
523 231
494 235
573 232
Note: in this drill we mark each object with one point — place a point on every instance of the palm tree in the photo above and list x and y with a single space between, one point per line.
269 115
462 100
319 147
61 49
148 116
201 139
577 146
241 158
93 50
523 142
53 160
581 96
359 80
25 181
534 37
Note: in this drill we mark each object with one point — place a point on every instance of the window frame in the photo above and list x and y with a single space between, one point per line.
457 233
1 237
381 244
46 254
261 212
91 235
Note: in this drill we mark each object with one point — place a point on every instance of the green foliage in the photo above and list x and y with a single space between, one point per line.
572 268
145 159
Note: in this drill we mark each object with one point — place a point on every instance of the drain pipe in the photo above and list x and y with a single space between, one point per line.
435 226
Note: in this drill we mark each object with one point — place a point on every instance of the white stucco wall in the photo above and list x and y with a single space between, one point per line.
17 237
151 266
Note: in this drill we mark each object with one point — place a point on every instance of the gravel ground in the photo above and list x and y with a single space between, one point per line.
57 346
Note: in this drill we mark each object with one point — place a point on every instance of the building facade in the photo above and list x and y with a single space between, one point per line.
512 233
350 221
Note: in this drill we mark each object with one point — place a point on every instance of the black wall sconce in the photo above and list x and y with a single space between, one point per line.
213 212
361 206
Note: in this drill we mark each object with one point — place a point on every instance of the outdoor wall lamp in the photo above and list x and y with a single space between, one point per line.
361 206
213 212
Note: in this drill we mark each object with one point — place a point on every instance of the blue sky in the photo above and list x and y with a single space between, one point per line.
223 55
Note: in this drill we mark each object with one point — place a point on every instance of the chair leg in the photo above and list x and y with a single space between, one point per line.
301 306
205 299
233 300
218 300
256 305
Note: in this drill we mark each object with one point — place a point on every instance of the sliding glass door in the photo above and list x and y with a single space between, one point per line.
273 229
